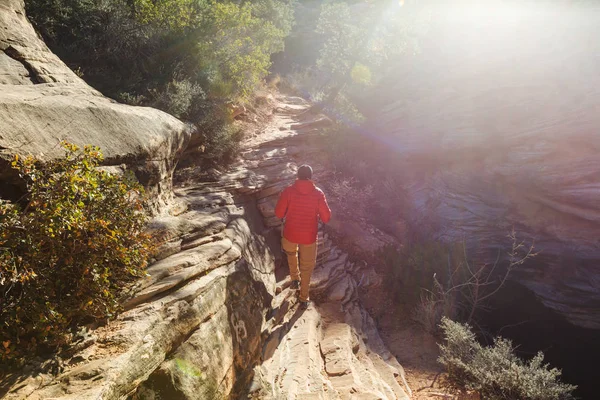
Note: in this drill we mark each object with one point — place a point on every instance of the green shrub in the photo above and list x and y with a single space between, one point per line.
495 371
221 143
131 99
178 97
68 250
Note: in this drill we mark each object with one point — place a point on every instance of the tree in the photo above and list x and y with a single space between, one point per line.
467 287
174 15
278 12
358 38
234 48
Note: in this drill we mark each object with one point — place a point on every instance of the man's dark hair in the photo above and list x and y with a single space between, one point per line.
305 172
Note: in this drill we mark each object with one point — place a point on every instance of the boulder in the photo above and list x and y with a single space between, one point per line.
43 102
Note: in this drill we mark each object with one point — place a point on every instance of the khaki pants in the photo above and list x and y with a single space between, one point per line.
308 259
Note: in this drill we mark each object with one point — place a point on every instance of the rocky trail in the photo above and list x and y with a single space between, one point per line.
215 317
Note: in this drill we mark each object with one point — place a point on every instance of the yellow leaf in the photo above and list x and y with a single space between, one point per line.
6 344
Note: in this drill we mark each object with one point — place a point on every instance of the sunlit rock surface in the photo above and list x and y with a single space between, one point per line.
496 123
215 317
43 102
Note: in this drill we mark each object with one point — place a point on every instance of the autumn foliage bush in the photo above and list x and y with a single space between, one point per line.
67 249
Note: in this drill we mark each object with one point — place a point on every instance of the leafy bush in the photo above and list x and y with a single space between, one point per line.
220 143
68 250
178 97
495 371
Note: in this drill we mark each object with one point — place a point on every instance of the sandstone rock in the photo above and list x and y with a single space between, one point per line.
26 59
337 347
236 110
202 367
208 321
318 123
184 266
341 291
43 102
217 355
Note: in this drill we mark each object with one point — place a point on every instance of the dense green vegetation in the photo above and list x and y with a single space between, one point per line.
187 57
495 372
354 45
67 250
358 39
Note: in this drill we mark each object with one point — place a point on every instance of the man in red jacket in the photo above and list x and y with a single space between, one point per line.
302 204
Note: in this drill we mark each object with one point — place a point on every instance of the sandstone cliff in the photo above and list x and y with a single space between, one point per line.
497 123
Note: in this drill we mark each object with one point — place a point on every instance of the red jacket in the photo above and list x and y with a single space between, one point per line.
302 204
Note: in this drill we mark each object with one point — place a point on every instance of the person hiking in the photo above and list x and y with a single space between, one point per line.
302 204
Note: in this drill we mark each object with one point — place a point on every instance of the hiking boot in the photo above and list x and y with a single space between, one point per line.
304 305
295 285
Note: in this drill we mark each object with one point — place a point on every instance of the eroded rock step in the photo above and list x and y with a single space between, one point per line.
330 351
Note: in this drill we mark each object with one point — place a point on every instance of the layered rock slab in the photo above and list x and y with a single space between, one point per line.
42 102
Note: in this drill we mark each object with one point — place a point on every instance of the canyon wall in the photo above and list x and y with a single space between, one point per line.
496 126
